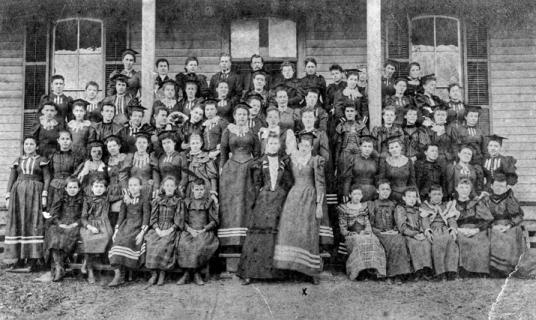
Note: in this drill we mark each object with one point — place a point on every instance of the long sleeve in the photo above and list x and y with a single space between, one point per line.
85 212
179 216
338 136
383 169
13 175
122 215
364 110
46 176
401 220
509 170
324 146
155 172
320 183
153 221
212 175
479 184
343 225
338 104
371 213
55 211
146 212
484 214
451 169
256 152
290 142
212 216
346 176
411 178
124 172
322 120
224 148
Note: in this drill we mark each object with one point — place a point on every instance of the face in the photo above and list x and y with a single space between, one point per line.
310 68
311 99
389 117
223 90
455 93
411 117
352 81
256 64
440 117
121 87
191 67
91 92
414 72
494 148
336 75
272 118
142 144
169 91
163 68
161 118
272 146
464 190
225 63
384 190
72 188
196 115
191 90
255 108
465 155
196 143
349 113
96 153
389 71
308 119
430 87
79 112
128 61
410 198
64 141
134 186
499 188
210 111
366 148
57 86
241 116
98 188
168 145
107 113
436 196
401 87
287 72
259 81
395 149
305 146
29 146
198 191
432 153
282 98
113 148
471 118
362 75
169 187
49 112
136 117
356 196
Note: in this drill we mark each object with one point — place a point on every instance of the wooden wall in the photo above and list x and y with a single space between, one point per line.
513 98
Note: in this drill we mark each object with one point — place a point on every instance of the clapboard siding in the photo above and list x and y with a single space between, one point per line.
513 94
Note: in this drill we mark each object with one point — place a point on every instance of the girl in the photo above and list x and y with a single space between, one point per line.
47 129
93 103
388 129
199 162
351 96
197 242
236 184
93 167
464 169
366 251
144 165
169 87
64 226
96 233
399 100
273 181
286 136
456 107
388 79
133 77
213 129
471 134
116 173
297 242
427 101
362 169
414 80
128 250
61 164
79 128
312 79
225 104
26 196
190 73
165 220
193 124
397 169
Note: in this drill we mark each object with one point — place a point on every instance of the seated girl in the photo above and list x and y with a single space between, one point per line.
199 162
61 164
365 250
197 242
93 167
464 169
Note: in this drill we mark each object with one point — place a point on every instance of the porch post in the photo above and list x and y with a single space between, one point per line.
148 44
374 61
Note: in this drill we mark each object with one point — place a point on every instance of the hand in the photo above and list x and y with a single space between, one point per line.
159 232
414 158
202 230
429 236
64 226
213 154
126 198
193 232
390 232
92 229
73 225
427 122
453 235
420 237
319 212
483 194
44 201
332 111
46 215
139 238
213 196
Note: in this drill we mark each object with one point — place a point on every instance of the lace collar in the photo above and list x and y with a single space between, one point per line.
239 131
397 162
214 120
77 126
115 160
48 124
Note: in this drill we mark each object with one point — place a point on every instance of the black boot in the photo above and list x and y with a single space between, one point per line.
153 278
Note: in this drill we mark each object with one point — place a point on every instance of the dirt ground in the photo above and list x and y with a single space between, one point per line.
336 298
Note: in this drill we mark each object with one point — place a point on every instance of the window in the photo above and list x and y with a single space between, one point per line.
78 54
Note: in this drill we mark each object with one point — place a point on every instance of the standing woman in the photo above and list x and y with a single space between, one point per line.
351 96
26 196
144 165
237 192
47 129
287 139
117 175
388 88
133 76
313 80
297 242
414 80
398 169
361 170
190 73
79 128
272 180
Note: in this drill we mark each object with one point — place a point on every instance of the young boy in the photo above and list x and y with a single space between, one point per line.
102 130
409 223
122 99
441 135
382 221
456 107
63 102
439 223
471 134
388 129
428 172
94 105
416 137
197 242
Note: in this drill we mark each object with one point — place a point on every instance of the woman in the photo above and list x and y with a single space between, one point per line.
361 170
116 173
133 77
288 116
61 164
272 180
388 79
213 129
464 169
225 104
79 128
47 129
427 101
497 163
295 88
386 130
190 73
399 100
144 165
93 167
237 192
26 196
287 139
398 169
297 242
199 162
169 101
470 134
351 96
191 99
170 162
414 80
313 80
193 125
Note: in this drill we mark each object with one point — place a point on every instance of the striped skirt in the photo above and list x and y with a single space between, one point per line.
124 250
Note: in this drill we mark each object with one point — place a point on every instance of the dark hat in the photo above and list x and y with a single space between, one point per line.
120 77
168 134
361 68
306 135
171 81
391 62
137 108
442 107
497 138
129 51
390 139
260 71
369 137
80 102
192 80
411 107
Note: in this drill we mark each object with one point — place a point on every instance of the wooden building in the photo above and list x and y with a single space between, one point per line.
489 51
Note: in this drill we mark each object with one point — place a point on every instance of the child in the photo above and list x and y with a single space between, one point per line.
96 233
312 79
441 135
399 100
388 129
121 99
197 242
165 219
416 137
213 129
439 223
93 167
79 128
456 107
382 221
46 130
64 226
144 165
93 104
428 172
190 100
409 223
128 250
133 126
199 162
62 102
471 134
366 251
102 130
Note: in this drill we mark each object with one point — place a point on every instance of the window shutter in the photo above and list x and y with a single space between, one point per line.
116 40
109 69
398 45
34 85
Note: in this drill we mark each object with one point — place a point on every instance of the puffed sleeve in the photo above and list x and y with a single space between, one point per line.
212 216
34 132
513 209
153 221
479 184
343 225
509 170
224 147
155 172
401 219
203 86
483 213
320 182
212 174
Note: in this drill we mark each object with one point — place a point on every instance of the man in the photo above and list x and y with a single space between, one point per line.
162 68
257 64
63 102
122 99
233 79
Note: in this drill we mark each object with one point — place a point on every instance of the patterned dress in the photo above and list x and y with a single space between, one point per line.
409 223
65 210
25 227
62 164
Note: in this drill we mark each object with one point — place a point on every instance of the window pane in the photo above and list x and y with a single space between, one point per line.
282 38
90 36
244 38
448 58
66 36
422 44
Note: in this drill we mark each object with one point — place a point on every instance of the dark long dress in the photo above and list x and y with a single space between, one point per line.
474 137
258 251
166 213
410 224
80 133
400 173
500 164
65 210
348 137
297 241
62 164
361 171
118 181
47 135
132 217
25 227
195 252
237 192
